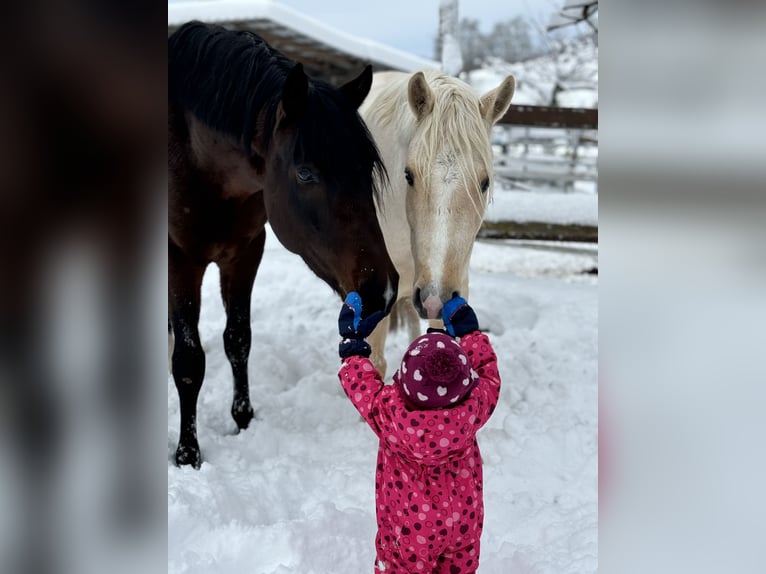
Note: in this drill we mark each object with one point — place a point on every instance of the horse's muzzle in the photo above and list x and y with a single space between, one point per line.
379 296
429 301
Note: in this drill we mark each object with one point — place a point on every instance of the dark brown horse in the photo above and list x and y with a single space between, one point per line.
251 138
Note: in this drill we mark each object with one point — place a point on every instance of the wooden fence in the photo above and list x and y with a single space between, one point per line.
556 146
549 117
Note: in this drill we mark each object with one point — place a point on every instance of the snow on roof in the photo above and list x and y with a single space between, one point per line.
291 24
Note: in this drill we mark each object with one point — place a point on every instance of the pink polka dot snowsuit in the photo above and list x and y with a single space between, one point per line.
428 484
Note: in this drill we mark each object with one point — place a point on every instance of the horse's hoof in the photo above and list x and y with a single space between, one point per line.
242 413
188 455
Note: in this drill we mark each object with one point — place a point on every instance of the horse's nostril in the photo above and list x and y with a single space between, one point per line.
455 294
416 301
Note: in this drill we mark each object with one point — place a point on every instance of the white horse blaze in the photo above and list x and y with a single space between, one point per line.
449 215
441 228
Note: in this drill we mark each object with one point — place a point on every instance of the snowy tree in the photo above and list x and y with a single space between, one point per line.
512 40
571 67
473 44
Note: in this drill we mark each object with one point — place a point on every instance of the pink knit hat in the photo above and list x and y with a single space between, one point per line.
435 372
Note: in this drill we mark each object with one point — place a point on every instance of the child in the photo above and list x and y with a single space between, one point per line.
428 483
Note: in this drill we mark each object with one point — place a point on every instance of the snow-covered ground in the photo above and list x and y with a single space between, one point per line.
553 207
294 493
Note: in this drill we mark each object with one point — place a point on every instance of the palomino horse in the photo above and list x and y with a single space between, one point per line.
433 133
251 138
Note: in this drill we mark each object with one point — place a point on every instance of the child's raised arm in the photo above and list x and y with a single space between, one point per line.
363 385
484 361
460 321
357 375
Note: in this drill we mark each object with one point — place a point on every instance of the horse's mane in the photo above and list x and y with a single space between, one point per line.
455 124
227 79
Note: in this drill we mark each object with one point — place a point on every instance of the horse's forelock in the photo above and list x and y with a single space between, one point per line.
455 125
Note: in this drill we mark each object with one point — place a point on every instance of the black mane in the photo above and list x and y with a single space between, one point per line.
227 78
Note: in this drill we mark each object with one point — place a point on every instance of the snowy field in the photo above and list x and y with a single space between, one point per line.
294 494
551 207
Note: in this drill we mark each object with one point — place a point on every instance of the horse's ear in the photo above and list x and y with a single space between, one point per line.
358 88
420 96
295 93
495 103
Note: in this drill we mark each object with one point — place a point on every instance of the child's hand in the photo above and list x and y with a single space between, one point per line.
350 322
459 318
354 329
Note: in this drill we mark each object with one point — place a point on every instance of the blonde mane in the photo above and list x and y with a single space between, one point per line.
455 124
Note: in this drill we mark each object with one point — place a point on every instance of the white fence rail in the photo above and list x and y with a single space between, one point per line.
555 156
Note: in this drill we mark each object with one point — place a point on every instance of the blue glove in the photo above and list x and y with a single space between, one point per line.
459 318
354 329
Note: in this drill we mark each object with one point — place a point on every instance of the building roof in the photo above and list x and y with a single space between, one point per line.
325 52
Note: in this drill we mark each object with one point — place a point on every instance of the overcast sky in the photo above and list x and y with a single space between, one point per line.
411 25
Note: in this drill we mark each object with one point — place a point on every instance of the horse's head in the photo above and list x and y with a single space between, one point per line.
449 177
320 169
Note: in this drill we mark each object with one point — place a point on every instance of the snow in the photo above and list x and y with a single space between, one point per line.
294 493
539 206
247 10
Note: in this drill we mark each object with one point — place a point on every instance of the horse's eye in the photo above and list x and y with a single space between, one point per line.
305 175
485 185
408 176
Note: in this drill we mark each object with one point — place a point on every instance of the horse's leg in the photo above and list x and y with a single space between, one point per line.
377 341
409 318
237 278
188 359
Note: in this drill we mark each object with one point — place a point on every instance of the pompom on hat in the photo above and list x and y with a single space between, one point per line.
435 372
